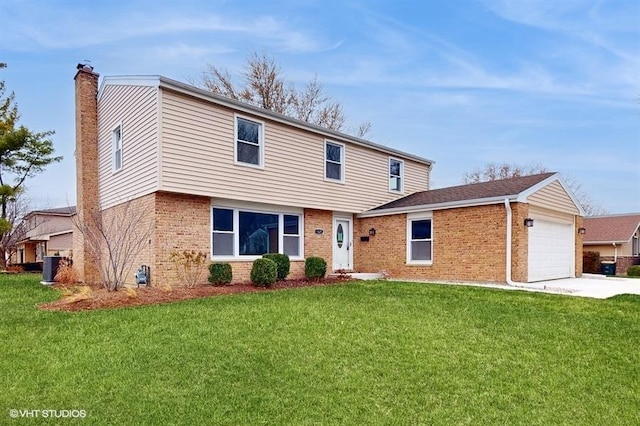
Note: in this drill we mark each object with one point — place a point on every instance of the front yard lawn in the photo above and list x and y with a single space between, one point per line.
356 353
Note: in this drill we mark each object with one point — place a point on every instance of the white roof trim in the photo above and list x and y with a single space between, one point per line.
524 195
129 80
439 206
599 243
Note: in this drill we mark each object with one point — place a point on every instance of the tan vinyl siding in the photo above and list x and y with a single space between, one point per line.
198 158
609 249
536 211
135 108
553 197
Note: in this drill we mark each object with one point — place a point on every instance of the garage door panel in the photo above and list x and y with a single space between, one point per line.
551 249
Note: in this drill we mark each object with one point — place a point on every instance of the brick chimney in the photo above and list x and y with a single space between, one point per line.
88 203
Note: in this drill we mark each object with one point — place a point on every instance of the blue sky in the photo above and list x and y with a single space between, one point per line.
461 82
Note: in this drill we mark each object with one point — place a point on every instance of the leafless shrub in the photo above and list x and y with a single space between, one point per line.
114 237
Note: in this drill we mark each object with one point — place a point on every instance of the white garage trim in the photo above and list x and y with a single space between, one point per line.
551 247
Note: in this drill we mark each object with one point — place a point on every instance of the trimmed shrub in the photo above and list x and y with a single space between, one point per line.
220 273
633 271
315 268
282 262
591 262
264 272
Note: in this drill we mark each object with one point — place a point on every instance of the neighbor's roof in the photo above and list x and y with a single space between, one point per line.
59 211
617 228
475 193
189 90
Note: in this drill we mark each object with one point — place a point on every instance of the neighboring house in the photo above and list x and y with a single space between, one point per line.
236 181
46 233
615 237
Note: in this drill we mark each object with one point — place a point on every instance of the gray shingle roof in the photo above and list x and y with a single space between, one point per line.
474 191
57 211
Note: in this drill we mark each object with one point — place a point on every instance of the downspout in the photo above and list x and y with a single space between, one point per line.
615 253
507 206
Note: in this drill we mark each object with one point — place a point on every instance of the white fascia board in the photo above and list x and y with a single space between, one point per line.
55 234
129 80
439 206
260 112
599 243
524 195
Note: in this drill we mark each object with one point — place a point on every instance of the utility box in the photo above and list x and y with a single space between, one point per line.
608 268
50 269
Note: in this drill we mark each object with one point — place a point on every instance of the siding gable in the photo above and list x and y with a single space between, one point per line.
136 109
553 197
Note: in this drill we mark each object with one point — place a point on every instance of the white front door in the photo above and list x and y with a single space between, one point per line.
342 245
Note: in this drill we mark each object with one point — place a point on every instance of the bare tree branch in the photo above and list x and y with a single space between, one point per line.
114 238
265 86
493 171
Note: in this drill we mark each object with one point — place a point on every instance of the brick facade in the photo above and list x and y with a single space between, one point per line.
318 244
469 244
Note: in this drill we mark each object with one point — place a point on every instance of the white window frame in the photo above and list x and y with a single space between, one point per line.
401 176
342 161
261 143
116 148
635 245
253 208
413 217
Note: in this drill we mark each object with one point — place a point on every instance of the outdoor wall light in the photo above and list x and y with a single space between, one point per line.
582 231
528 222
372 231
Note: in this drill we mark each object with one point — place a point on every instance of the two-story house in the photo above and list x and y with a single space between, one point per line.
44 232
236 181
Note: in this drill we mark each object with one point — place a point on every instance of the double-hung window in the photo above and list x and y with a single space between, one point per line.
238 233
419 240
396 172
334 161
249 142
116 148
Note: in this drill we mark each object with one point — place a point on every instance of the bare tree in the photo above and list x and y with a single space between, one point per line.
264 85
494 171
17 209
114 238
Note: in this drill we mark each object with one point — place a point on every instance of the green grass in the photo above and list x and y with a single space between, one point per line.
359 353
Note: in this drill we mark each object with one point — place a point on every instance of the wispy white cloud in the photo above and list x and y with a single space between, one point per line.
29 28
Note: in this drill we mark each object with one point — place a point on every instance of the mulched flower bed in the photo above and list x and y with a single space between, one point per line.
99 298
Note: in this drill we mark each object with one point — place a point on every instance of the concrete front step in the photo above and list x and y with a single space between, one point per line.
362 275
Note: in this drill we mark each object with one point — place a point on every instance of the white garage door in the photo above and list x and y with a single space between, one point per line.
551 248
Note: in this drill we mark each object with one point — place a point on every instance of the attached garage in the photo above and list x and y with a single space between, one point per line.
551 248
523 229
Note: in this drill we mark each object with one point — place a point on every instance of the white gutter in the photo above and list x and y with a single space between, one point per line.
438 206
615 253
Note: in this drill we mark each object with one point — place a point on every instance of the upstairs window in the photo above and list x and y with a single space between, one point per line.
249 142
334 161
396 175
117 148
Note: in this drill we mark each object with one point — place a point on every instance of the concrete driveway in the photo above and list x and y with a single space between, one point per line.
596 286
589 285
